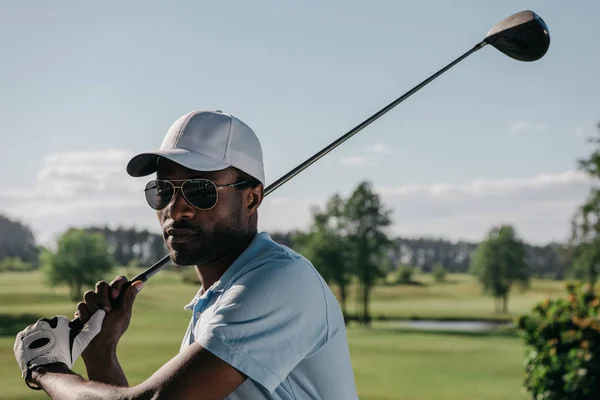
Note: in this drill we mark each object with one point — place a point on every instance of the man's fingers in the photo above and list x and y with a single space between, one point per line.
131 293
82 312
116 286
102 293
95 324
89 298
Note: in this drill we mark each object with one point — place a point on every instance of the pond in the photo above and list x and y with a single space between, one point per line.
463 326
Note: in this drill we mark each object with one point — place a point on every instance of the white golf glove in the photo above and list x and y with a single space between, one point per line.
49 341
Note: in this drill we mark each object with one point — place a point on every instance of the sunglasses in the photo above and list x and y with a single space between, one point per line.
200 193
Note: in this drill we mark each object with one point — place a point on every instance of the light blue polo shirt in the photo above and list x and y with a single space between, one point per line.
273 317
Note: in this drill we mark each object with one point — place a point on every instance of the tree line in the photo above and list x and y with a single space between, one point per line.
138 246
549 261
127 246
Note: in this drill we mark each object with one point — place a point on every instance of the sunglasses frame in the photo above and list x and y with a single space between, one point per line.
180 187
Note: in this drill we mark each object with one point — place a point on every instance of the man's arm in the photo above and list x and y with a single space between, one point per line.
194 373
106 369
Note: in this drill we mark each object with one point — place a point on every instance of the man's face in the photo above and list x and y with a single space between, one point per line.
194 236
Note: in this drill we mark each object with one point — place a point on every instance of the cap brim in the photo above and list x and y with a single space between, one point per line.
146 163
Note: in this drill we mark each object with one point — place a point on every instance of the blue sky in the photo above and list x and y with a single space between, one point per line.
87 85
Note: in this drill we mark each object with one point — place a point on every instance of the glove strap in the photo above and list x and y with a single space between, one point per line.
27 377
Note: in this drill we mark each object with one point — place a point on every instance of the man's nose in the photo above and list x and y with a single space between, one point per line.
179 208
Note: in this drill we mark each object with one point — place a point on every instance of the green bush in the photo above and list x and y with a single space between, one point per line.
562 338
15 264
439 273
404 274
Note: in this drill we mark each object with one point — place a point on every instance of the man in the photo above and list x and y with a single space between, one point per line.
264 323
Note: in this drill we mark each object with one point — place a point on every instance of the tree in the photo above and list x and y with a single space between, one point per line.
326 247
17 241
499 263
585 225
365 223
439 273
586 257
81 258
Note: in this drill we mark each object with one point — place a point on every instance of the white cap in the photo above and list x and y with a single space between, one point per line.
206 141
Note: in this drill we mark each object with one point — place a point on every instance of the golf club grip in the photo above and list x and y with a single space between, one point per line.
77 325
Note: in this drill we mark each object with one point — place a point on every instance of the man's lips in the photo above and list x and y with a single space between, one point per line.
180 232
178 235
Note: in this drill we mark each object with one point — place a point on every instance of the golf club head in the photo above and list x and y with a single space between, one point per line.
523 36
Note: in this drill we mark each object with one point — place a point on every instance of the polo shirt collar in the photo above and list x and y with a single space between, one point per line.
242 261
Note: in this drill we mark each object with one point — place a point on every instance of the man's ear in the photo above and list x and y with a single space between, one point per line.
254 198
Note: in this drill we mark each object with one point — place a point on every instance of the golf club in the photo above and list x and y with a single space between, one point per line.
523 36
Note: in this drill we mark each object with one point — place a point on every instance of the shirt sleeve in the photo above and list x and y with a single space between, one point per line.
269 320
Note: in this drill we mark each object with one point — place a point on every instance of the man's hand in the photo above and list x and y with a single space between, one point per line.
118 314
116 299
48 342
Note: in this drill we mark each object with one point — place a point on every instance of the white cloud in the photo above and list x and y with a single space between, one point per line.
540 207
527 126
362 161
87 178
484 188
379 148
75 188
355 161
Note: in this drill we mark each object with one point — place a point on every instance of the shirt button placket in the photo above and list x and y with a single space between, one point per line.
200 306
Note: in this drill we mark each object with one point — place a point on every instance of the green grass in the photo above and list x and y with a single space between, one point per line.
389 363
459 297
405 365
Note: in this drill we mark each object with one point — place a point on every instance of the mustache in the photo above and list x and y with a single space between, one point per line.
181 225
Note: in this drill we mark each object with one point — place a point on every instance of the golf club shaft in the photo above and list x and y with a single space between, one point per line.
144 276
269 189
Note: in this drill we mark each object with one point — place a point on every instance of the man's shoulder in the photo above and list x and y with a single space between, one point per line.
268 263
269 252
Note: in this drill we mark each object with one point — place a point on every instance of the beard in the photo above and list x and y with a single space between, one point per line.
224 240
207 248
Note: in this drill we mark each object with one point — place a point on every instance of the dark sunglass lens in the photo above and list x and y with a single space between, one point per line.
158 194
200 193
